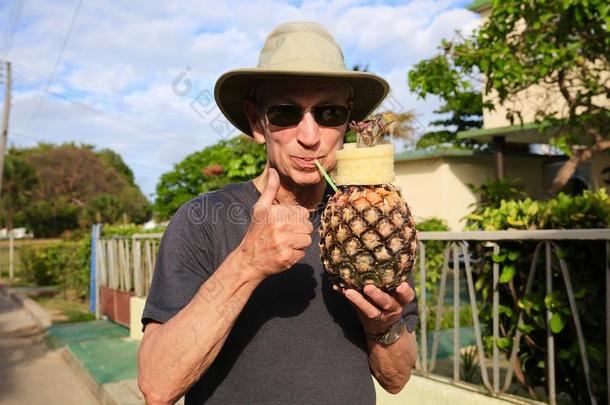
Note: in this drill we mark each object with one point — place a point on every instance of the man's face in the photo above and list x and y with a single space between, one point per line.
291 150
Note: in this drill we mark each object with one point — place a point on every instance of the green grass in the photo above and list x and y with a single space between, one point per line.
72 310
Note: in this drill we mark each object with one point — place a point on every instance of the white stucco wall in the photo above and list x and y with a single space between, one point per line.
438 187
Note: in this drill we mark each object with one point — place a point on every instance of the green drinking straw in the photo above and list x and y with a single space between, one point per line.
326 176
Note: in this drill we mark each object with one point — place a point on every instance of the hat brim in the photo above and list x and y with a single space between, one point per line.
233 88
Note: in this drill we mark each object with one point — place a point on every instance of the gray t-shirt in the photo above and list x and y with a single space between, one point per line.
296 340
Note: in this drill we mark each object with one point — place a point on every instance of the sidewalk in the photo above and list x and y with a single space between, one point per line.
29 372
102 353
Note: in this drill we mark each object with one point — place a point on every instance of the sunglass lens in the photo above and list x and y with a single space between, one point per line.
331 115
284 115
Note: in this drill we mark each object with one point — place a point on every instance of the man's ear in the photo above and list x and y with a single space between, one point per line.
253 115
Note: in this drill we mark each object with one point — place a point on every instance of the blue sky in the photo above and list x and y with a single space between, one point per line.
117 82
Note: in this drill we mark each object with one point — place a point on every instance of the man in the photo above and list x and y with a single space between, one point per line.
240 308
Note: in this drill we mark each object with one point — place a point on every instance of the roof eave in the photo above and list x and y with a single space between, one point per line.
479 5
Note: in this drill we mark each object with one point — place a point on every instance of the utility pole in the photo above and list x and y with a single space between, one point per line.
5 114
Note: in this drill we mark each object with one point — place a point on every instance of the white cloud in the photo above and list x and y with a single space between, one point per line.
122 60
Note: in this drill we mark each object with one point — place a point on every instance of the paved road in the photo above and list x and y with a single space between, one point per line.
29 372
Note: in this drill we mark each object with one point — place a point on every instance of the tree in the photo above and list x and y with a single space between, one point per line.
465 112
562 46
75 185
51 218
112 159
104 208
17 186
400 125
234 160
79 174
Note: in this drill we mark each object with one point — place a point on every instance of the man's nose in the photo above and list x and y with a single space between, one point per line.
308 131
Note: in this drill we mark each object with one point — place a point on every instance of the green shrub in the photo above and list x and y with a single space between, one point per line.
63 263
434 264
492 192
38 264
589 210
128 230
434 254
585 261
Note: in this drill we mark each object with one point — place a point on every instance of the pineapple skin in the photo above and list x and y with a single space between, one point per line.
367 236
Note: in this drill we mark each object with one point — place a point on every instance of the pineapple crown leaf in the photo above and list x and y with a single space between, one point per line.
370 130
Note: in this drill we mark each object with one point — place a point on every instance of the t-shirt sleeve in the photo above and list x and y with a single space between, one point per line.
184 263
410 311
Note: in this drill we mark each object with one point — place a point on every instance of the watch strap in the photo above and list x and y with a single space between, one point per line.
391 334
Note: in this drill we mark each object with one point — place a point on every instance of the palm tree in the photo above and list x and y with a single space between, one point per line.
401 125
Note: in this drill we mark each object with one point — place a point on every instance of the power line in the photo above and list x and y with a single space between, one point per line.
33 75
113 117
59 56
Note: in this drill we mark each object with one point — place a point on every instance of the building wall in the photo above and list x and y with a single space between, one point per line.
530 172
438 187
422 186
599 163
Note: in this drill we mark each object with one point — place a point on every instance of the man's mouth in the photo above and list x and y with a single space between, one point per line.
304 162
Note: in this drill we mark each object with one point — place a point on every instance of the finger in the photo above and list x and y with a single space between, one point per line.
339 288
305 228
404 294
297 214
300 241
297 255
368 309
270 191
382 299
309 225
289 258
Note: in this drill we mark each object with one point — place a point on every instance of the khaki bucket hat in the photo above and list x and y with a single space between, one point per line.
298 50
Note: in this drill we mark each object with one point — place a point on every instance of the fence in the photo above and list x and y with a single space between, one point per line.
456 247
127 263
7 256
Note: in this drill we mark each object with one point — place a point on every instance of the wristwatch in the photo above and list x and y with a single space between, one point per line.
391 335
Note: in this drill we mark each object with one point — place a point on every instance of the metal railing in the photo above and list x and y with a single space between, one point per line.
127 263
456 246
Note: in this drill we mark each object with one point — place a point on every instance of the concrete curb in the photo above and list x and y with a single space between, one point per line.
38 314
115 393
86 378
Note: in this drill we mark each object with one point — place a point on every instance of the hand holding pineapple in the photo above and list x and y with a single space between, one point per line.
377 309
278 233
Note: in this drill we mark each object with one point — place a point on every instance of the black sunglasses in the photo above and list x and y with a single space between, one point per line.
326 115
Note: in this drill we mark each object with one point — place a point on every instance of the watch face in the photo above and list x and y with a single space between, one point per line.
394 333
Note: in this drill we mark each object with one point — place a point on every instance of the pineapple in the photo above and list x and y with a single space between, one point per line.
367 235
